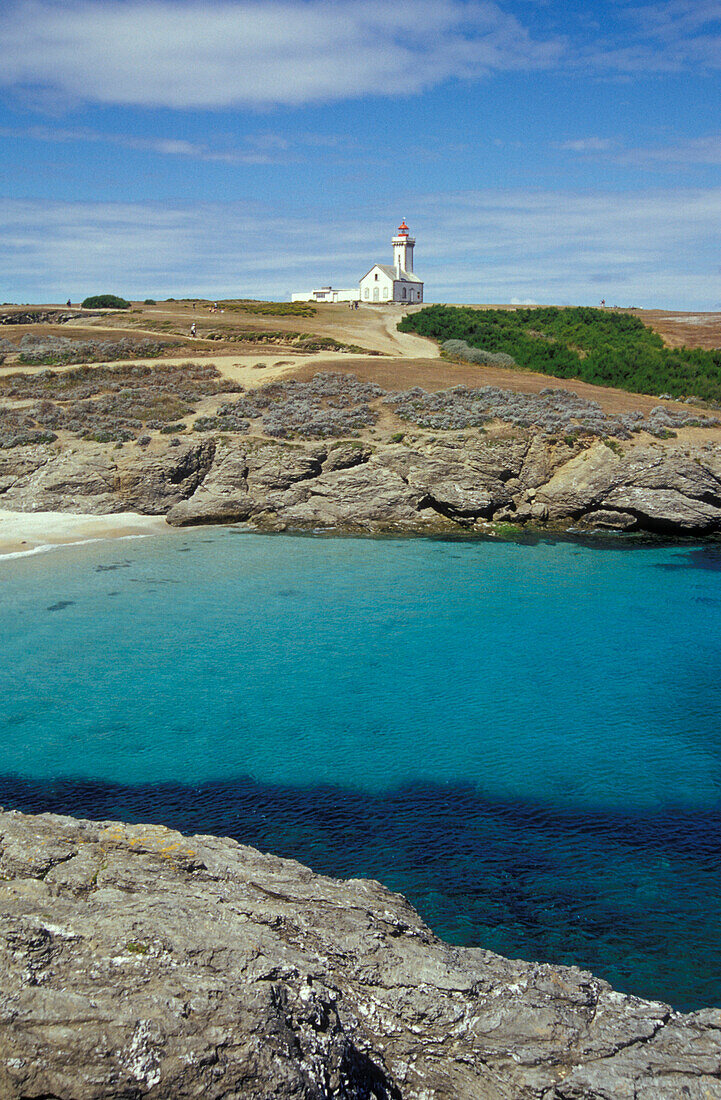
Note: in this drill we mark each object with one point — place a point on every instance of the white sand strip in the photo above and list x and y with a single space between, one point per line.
35 532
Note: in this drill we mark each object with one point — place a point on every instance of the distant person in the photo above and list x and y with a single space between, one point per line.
192 329
68 303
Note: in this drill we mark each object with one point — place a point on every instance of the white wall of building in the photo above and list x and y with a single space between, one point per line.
378 287
403 253
326 294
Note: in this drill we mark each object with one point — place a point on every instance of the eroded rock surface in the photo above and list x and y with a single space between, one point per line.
140 963
422 484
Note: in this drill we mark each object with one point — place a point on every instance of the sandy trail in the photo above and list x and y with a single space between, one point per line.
251 370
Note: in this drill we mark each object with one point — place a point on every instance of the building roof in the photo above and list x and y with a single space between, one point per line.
392 273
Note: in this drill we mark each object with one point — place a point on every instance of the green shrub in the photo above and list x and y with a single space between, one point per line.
105 301
149 302
593 345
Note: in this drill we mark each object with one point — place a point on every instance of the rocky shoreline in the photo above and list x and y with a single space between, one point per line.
141 963
439 484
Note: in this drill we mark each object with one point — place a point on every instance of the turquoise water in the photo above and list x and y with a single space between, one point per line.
524 739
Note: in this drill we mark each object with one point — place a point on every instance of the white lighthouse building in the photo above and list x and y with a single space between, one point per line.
383 283
398 283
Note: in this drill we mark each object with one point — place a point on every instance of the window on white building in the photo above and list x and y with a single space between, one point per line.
404 292
365 292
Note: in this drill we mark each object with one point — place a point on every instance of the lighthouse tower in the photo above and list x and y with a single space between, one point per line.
403 246
384 283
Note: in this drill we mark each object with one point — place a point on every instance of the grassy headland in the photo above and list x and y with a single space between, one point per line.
598 346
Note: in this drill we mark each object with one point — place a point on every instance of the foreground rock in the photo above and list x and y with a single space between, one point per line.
140 963
426 484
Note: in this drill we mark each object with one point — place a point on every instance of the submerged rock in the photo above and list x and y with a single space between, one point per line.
141 963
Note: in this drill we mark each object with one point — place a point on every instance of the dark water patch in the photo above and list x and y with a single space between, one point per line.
620 893
703 557
60 605
112 567
153 580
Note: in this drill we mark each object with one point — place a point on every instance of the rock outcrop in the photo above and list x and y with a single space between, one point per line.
425 484
139 963
42 316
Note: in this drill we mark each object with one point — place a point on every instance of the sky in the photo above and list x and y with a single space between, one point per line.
540 151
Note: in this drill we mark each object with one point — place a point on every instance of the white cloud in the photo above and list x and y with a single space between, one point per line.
586 145
222 53
187 53
671 36
680 154
254 152
634 248
702 150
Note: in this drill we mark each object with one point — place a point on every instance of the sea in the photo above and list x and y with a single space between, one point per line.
524 738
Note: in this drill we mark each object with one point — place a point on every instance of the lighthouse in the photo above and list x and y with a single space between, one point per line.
403 245
384 283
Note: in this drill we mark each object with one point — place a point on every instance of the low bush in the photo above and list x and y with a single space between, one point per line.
463 350
111 404
326 406
594 345
552 411
59 350
105 301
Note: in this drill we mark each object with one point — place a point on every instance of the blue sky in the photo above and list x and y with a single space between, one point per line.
540 151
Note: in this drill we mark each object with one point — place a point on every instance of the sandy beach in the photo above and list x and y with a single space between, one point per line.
35 532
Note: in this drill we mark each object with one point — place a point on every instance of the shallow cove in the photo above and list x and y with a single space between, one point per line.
523 739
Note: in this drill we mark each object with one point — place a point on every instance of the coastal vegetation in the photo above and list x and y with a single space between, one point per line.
50 351
271 309
105 301
328 405
119 403
307 342
551 412
104 404
598 346
339 404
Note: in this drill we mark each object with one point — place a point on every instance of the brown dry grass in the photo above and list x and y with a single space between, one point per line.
412 361
438 374
690 330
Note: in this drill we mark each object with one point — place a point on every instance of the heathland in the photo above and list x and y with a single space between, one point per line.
604 347
321 416
139 962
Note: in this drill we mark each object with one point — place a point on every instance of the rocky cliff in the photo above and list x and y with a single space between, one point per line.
140 963
424 483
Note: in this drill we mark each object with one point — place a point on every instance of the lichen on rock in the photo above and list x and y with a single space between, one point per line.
141 963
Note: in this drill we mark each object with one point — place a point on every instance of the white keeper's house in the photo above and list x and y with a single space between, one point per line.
394 282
